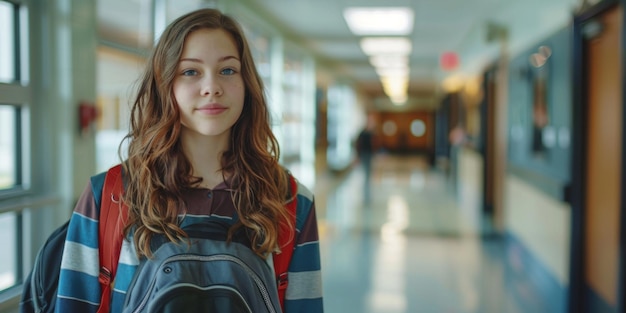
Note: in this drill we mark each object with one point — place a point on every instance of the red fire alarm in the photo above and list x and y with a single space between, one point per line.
449 61
87 114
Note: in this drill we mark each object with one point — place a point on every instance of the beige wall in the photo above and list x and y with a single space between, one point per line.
539 221
542 224
470 185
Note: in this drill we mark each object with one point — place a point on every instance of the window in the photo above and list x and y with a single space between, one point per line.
15 98
9 134
390 128
8 259
418 128
7 42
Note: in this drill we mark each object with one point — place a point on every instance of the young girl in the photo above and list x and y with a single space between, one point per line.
200 148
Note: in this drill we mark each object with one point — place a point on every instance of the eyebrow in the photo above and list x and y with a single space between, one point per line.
222 59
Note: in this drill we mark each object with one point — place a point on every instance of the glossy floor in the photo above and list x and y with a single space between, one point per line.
410 248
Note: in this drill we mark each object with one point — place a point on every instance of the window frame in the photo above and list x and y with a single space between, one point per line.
16 94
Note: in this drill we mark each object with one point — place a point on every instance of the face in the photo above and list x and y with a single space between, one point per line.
208 87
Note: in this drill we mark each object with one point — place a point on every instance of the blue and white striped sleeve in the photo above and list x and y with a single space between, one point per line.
79 289
304 292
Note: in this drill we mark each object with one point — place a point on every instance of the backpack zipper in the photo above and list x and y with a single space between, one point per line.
219 257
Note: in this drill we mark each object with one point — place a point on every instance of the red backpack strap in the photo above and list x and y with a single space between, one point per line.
113 215
286 239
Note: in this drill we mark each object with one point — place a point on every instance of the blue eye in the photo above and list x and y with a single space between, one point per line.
190 73
228 71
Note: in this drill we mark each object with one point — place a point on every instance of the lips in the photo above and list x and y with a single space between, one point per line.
211 109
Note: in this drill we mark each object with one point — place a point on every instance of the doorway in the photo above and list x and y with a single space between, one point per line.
598 163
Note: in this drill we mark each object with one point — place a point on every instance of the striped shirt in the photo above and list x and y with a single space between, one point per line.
79 289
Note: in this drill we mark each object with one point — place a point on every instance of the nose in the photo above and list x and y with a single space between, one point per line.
210 86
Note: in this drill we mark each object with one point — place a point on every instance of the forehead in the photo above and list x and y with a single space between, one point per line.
206 41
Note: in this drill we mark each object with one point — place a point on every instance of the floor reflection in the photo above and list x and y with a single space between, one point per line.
410 249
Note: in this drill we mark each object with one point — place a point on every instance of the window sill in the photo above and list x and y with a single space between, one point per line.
10 299
21 203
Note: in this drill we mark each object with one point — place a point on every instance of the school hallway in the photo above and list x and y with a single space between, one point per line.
414 247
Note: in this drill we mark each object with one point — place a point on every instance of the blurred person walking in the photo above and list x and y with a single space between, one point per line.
366 147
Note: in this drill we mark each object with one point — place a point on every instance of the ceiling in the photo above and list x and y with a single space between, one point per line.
460 26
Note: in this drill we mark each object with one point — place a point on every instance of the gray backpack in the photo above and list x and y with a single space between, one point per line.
206 275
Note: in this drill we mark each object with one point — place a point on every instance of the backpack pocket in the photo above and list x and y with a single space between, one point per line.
205 276
189 298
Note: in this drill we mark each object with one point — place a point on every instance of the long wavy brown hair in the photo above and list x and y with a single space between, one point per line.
157 170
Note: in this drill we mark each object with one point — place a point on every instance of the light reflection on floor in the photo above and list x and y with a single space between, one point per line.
409 250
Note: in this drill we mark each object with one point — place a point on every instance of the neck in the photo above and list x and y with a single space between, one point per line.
204 153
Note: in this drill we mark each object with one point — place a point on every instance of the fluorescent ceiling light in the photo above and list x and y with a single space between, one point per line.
395 87
386 45
392 72
384 61
364 21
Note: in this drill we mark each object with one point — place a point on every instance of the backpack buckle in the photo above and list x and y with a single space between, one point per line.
282 281
105 276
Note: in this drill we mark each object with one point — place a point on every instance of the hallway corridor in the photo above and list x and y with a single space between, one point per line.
413 248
